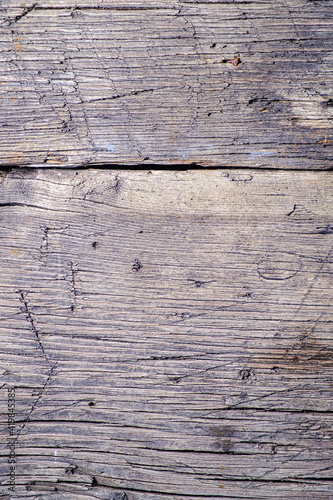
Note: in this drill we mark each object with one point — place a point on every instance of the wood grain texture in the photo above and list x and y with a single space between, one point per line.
168 334
153 82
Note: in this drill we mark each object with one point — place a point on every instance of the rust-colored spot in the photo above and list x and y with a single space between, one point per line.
17 44
235 61
324 141
221 485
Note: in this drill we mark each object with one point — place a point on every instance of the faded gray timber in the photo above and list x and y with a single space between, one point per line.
168 334
208 83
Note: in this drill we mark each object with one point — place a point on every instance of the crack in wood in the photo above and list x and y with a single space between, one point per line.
73 283
36 402
25 12
29 316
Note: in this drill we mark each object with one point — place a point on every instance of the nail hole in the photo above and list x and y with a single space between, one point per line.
137 265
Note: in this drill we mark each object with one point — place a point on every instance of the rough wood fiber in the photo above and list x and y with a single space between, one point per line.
168 334
153 82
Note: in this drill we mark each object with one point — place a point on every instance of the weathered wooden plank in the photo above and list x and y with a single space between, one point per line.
166 335
133 82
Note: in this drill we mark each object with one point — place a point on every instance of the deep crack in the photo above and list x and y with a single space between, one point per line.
30 318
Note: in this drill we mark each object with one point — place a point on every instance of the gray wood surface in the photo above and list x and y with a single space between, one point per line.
133 82
168 334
